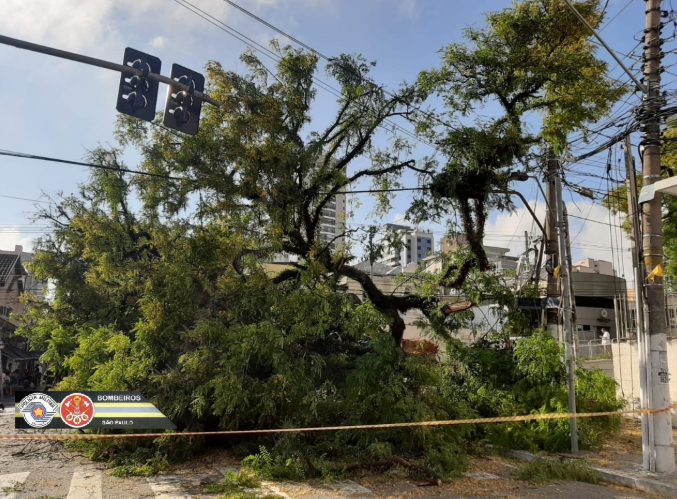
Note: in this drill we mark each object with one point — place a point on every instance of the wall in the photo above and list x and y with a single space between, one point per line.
626 372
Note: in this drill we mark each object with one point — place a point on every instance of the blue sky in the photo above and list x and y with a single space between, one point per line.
59 108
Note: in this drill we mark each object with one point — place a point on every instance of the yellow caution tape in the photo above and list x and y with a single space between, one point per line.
451 422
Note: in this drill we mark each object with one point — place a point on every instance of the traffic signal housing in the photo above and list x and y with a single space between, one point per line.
182 110
137 96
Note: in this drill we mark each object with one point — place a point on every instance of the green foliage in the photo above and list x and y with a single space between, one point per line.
532 57
240 485
275 467
531 379
542 471
162 285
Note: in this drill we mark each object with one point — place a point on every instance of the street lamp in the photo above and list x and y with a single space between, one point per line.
665 186
523 177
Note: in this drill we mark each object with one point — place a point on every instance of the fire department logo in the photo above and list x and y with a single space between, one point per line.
38 409
77 410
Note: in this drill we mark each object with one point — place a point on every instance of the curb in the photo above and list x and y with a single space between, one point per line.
623 479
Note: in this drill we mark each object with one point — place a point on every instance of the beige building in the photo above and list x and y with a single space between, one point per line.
498 257
591 266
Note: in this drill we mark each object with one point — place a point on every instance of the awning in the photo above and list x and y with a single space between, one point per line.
16 353
538 303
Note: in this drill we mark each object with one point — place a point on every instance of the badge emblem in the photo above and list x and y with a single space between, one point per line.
77 410
38 409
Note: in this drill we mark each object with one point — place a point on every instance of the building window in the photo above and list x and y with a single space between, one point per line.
5 311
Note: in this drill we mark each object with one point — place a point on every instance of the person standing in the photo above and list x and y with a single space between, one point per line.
14 382
606 340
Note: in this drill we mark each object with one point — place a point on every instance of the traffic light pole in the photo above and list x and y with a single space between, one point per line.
91 61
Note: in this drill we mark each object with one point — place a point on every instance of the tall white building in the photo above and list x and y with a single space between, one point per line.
416 245
331 228
332 223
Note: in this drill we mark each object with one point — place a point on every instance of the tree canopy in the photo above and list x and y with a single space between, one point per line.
160 282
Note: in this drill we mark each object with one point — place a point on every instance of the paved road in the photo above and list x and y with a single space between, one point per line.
44 470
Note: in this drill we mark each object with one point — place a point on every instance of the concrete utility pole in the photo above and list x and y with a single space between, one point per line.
642 339
652 243
567 311
551 251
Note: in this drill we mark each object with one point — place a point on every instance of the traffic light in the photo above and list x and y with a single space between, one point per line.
182 111
137 95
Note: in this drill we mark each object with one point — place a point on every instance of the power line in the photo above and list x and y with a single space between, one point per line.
271 55
389 190
263 21
4 152
595 221
614 18
25 199
329 59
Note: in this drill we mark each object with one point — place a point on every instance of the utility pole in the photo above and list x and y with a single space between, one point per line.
551 249
570 274
652 244
567 312
642 339
526 245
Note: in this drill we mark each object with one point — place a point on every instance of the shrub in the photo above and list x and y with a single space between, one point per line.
531 379
540 471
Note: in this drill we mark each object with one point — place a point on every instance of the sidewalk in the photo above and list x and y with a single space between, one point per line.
619 462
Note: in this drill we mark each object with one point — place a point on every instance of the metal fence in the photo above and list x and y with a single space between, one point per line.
592 349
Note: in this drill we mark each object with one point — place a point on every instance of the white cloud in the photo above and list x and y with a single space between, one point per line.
101 27
158 42
10 237
401 219
406 8
590 239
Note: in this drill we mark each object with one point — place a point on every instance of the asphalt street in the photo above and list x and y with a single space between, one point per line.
47 470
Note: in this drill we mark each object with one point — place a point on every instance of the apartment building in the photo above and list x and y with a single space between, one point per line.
416 245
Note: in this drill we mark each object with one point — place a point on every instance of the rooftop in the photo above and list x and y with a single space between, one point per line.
8 263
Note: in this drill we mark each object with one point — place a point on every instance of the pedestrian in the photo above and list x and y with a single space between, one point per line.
39 376
606 340
14 382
